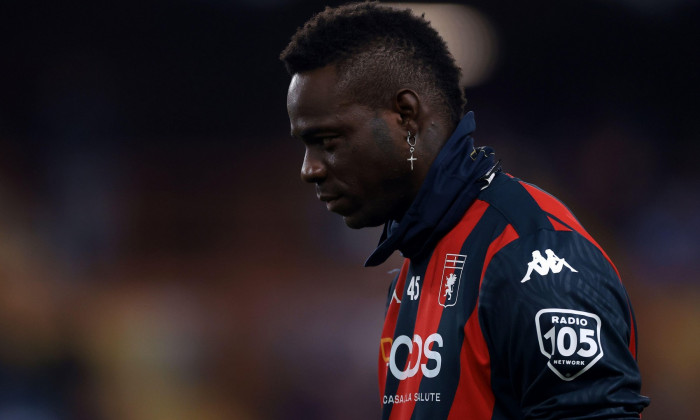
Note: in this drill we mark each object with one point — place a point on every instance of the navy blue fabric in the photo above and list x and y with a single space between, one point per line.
449 189
524 385
590 375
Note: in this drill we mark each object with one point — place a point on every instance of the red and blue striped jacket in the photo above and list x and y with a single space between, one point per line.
509 311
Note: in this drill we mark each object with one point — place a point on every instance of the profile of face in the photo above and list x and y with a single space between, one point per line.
355 155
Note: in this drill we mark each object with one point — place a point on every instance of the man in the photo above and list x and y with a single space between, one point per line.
479 324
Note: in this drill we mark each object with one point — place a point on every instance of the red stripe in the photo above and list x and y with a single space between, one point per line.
509 235
558 226
392 315
633 334
475 377
429 310
553 206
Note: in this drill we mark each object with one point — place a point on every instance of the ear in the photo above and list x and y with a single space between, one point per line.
407 105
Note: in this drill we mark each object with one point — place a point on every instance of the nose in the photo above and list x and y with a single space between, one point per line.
313 170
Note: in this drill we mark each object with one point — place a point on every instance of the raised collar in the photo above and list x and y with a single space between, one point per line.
450 187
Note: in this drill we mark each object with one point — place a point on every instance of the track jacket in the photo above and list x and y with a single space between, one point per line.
505 307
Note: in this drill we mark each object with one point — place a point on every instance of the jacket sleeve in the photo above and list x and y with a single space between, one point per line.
560 330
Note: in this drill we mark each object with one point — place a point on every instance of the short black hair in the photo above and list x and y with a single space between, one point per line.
378 50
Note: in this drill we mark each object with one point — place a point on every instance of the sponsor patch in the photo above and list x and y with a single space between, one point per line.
417 397
570 340
451 277
423 356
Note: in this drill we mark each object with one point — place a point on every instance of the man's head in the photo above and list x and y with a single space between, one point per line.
363 77
378 50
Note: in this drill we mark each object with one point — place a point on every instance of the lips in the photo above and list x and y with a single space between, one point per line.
327 197
330 200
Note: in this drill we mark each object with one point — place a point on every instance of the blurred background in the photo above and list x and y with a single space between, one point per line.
161 259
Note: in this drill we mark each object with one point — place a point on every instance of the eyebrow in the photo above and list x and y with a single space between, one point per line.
312 131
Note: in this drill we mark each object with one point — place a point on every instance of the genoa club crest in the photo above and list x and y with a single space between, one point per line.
451 277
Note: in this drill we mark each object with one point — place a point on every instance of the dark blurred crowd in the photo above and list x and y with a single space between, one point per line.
161 259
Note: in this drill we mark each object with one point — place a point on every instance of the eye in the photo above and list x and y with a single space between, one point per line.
327 141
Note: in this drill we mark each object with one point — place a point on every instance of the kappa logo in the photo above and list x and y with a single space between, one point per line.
451 277
542 266
396 298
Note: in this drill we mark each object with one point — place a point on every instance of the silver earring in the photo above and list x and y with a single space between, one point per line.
413 147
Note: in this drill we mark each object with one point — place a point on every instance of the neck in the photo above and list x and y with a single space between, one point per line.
432 138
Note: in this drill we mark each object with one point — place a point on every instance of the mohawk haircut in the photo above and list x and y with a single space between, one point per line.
378 50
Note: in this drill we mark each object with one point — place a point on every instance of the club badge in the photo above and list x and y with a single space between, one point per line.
451 277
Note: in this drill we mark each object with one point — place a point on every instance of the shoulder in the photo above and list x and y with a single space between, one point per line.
527 208
537 217
546 242
511 217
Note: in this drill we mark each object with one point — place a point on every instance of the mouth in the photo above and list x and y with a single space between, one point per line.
330 200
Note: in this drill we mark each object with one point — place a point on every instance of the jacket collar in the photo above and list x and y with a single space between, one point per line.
450 187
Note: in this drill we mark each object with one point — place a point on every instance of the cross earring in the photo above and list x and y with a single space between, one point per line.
412 145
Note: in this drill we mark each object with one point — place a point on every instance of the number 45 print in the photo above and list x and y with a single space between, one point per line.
414 288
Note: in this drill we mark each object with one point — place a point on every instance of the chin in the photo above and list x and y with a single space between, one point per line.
356 221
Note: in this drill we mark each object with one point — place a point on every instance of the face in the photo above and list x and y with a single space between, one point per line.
355 156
